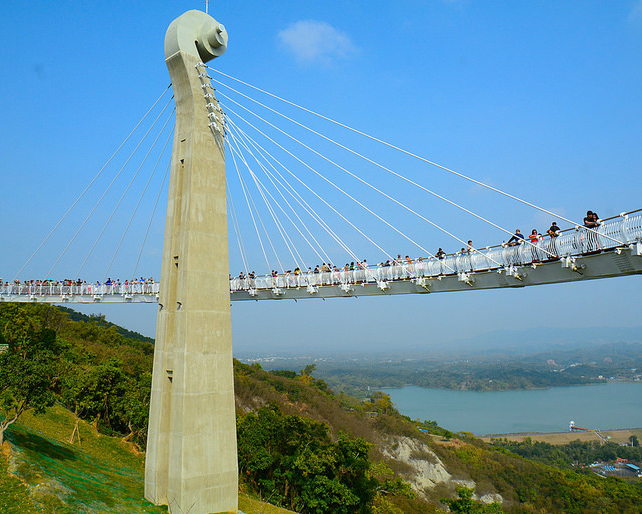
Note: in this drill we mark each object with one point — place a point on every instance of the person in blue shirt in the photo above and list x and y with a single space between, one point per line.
518 238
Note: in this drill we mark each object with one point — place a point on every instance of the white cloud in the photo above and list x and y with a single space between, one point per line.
316 41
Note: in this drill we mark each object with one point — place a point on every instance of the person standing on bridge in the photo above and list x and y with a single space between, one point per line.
590 221
534 239
516 239
470 249
364 266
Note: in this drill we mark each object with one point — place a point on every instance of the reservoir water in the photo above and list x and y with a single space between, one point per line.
604 406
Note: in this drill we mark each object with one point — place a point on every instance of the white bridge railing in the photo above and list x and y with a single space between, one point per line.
613 232
60 289
626 228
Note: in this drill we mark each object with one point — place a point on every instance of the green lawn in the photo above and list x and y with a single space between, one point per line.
101 476
41 472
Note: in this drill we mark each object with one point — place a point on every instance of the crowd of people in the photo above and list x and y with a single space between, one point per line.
398 268
140 285
591 221
540 248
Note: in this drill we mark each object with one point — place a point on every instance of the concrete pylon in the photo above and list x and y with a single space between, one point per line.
191 462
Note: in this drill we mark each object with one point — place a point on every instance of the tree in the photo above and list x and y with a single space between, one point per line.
634 440
133 409
72 389
379 402
294 461
306 374
27 367
284 373
103 388
466 505
388 482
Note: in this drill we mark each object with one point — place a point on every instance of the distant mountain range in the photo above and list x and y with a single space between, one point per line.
524 342
508 344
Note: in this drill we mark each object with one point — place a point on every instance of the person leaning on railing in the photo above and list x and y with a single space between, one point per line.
591 220
516 239
554 231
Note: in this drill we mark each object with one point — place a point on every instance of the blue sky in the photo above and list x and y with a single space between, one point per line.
539 98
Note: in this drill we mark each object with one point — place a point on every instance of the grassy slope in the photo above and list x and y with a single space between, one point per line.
251 505
41 472
101 476
14 495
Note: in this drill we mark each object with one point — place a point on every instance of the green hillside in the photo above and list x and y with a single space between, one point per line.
41 472
301 446
449 460
101 475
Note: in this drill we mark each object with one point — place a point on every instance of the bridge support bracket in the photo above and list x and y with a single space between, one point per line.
422 282
577 268
636 248
571 262
466 278
568 262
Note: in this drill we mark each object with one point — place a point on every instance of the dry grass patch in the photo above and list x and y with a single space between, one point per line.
253 506
561 438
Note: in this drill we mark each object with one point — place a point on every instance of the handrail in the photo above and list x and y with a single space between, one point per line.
568 244
561 231
86 289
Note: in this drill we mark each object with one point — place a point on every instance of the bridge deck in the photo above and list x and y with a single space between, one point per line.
585 254
613 262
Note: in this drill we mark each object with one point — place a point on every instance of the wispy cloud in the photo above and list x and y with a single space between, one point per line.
316 42
636 12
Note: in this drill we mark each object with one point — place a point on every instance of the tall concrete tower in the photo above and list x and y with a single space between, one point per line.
191 460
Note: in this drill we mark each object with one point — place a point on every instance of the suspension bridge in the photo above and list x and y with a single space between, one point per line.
295 225
576 254
605 248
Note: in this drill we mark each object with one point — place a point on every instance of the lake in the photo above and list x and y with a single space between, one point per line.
604 406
